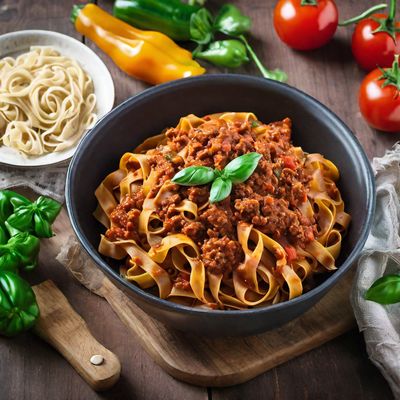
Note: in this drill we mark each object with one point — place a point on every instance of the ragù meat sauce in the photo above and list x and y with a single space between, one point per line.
269 199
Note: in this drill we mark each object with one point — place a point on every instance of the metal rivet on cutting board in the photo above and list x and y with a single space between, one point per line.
97 359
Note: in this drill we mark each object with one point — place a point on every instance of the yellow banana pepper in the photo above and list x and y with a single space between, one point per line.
147 55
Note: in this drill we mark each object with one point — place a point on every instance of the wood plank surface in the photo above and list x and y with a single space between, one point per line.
30 369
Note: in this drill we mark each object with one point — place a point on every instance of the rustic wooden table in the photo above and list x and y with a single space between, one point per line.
30 369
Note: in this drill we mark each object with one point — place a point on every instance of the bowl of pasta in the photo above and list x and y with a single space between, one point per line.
222 204
53 89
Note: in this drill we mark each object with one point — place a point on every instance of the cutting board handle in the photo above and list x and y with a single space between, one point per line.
64 329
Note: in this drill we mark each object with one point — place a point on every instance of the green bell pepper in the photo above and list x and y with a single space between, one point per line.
35 217
224 53
20 251
231 21
18 307
170 17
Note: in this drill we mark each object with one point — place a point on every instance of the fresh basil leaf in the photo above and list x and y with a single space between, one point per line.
201 30
49 207
11 230
42 226
6 208
240 169
9 262
192 176
220 190
19 201
26 247
3 236
21 219
231 21
385 290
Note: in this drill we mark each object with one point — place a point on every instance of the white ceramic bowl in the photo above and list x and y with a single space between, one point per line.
15 43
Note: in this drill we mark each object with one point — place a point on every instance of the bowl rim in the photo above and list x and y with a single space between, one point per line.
316 292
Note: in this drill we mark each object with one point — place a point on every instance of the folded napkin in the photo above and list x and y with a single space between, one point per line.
381 256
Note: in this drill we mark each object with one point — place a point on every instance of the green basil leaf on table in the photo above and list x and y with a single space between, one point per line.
42 226
11 230
9 262
201 30
231 21
220 189
21 251
18 307
6 207
224 53
385 290
22 217
192 176
241 168
3 235
35 217
49 207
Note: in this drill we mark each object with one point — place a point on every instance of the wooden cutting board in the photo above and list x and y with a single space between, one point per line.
220 361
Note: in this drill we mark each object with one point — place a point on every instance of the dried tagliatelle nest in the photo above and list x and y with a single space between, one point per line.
47 101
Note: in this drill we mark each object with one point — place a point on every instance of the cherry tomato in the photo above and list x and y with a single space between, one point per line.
379 105
372 49
305 24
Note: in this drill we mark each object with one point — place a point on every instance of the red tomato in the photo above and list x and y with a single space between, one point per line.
372 49
380 106
288 162
290 252
305 27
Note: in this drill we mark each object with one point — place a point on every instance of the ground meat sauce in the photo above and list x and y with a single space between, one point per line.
269 199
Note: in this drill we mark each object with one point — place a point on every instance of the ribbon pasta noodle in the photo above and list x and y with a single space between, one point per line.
46 102
260 246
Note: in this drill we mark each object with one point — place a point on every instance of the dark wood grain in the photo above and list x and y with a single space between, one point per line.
30 369
339 370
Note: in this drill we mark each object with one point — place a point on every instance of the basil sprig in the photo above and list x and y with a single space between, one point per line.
35 217
385 290
237 171
193 176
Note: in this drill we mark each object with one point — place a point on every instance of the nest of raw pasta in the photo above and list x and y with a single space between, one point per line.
47 101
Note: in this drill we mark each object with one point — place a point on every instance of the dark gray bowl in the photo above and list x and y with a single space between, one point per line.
316 129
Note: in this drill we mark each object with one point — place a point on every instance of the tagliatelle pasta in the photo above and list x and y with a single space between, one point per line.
260 246
46 101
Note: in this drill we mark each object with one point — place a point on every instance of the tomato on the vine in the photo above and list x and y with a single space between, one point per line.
305 24
372 49
379 98
376 37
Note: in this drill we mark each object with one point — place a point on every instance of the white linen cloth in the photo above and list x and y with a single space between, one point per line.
48 181
381 256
